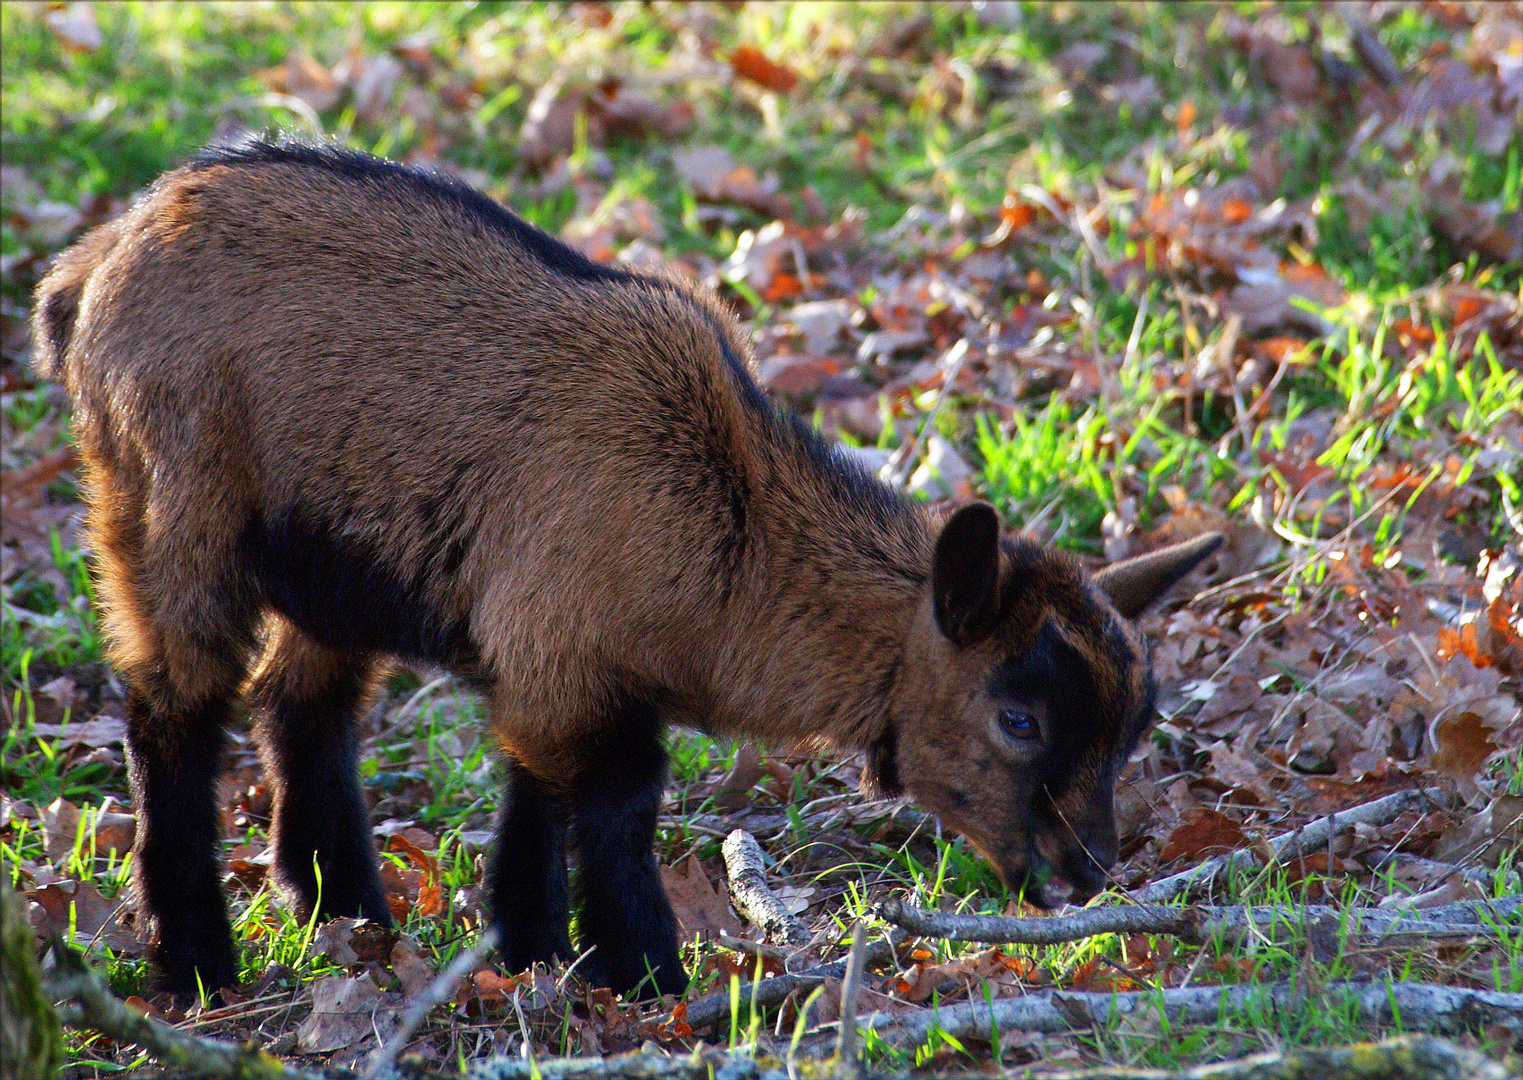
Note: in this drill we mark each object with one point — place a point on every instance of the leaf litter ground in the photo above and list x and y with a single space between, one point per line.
1132 274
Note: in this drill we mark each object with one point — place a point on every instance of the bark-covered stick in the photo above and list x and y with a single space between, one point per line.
1285 846
851 987
747 870
71 980
1445 1009
1405 1057
1198 923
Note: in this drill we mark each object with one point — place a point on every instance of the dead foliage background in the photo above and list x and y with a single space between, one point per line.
1131 273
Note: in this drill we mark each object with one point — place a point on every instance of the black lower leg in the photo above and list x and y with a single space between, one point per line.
622 907
325 858
173 760
527 878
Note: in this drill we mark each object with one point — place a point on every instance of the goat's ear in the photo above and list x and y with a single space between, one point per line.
1135 583
965 575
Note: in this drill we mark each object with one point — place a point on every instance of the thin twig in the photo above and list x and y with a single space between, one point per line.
953 361
851 987
436 993
1405 1057
768 993
1285 846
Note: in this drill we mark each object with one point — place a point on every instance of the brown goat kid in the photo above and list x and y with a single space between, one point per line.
334 410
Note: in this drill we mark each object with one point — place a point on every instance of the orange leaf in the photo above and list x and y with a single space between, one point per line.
862 151
782 287
1236 210
419 858
1017 215
1186 116
430 898
1467 308
492 985
1279 349
751 63
1407 329
1461 642
145 1007
1500 615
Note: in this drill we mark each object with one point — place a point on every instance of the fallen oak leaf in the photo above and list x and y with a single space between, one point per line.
1202 832
699 907
95 919
1461 745
302 77
344 1011
401 888
411 968
405 844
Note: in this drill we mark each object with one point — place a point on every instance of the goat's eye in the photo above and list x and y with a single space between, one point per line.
1019 724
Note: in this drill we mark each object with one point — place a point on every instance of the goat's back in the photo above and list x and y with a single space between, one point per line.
302 341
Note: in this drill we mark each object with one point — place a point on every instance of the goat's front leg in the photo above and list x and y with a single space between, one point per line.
622 907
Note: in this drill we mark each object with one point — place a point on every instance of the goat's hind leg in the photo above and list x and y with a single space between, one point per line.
180 636
306 699
174 759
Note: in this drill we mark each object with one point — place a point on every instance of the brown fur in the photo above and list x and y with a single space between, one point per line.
296 373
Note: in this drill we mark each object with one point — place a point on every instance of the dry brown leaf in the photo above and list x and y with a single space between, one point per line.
372 83
301 76
699 908
1238 771
1461 745
344 1012
96 919
412 969
1202 832
629 112
549 129
401 888
715 177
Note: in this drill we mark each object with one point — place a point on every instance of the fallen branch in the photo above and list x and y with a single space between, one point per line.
90 1004
1405 1057
846 1058
1444 1009
1197 924
747 871
1289 845
1484 877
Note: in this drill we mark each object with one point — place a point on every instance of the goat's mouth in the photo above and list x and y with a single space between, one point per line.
1039 884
